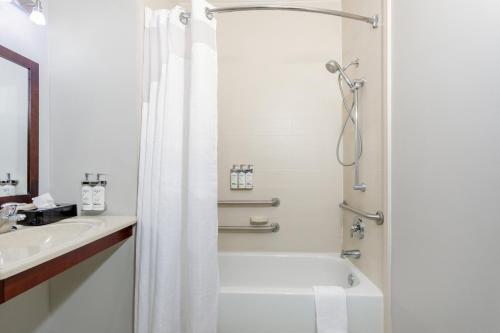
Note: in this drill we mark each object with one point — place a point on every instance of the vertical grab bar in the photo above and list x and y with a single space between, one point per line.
358 186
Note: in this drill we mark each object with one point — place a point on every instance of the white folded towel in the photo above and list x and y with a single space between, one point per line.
331 309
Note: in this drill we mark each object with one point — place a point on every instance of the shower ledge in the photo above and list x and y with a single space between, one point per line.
32 255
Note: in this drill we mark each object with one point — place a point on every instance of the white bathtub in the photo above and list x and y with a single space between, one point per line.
272 292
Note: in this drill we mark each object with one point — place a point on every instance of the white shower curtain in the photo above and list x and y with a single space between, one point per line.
177 272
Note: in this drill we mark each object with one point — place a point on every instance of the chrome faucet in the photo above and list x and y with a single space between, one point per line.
9 217
354 254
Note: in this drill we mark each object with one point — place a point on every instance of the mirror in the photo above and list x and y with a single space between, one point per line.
14 103
19 127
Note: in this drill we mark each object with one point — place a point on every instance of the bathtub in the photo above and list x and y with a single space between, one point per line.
272 292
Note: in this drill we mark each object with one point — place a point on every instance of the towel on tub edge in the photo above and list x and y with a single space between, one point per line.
331 309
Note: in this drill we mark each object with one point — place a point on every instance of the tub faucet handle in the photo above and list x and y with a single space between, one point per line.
358 228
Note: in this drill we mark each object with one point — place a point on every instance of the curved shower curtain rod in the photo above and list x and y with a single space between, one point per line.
374 20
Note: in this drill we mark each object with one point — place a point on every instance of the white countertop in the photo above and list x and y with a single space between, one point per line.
31 246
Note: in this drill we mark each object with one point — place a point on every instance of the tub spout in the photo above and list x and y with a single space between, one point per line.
354 254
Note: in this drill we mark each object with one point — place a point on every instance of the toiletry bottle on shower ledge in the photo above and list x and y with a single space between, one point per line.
249 177
234 177
242 176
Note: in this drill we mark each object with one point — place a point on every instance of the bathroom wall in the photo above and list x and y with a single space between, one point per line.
95 95
97 295
19 34
279 109
359 40
445 166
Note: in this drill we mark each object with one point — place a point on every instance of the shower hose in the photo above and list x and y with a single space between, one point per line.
348 109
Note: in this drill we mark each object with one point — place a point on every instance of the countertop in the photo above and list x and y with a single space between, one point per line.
29 247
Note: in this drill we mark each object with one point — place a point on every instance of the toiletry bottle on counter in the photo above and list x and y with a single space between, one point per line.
234 177
86 193
249 178
99 194
242 176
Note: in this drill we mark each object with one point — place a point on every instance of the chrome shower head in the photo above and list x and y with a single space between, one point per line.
333 67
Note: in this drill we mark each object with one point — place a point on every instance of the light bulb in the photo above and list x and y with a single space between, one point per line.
37 14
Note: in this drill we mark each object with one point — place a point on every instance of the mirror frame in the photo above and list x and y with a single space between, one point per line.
33 77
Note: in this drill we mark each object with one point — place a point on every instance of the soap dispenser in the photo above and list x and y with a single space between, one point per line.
242 181
234 176
99 194
3 189
87 194
249 177
9 187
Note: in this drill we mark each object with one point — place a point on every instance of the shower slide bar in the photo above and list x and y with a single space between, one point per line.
273 227
378 217
274 202
373 21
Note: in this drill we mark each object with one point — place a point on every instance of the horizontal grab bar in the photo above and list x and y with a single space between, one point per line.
274 202
273 227
378 217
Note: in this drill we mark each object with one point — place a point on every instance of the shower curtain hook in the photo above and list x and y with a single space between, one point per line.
208 13
184 17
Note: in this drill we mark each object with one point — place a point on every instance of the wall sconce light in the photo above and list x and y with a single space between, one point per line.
37 15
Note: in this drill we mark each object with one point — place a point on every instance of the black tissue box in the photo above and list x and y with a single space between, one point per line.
47 216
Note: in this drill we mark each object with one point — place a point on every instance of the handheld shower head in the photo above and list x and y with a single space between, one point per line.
333 67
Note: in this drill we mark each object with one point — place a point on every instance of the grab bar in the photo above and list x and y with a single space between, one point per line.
378 217
274 202
273 227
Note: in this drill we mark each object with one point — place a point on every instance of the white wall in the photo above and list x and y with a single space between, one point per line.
97 295
445 166
279 109
19 34
95 66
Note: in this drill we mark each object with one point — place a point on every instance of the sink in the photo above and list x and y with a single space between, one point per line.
27 242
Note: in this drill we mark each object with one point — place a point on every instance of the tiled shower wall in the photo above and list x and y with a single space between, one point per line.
359 40
280 110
